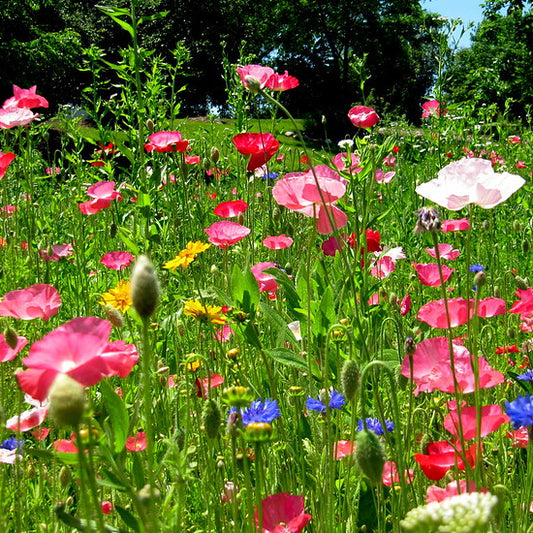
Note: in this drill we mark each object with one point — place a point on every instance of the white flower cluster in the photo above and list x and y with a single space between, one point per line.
469 512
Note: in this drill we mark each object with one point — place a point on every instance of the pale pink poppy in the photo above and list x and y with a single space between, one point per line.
266 282
362 116
470 181
383 267
103 193
254 77
56 252
37 301
432 107
384 177
343 448
7 353
277 242
259 146
117 260
5 161
446 251
138 443
438 494
391 476
26 98
79 348
429 273
15 116
351 164
29 419
281 82
9 457
166 141
491 419
461 224
230 209
225 233
282 512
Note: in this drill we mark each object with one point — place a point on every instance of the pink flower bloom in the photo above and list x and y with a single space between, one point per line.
405 305
340 161
204 385
389 161
256 74
470 181
117 260
384 177
26 98
82 350
51 171
29 419
520 437
224 333
363 116
277 242
514 139
281 82
260 146
166 141
391 477
520 164
428 273
442 456
437 494
40 433
282 512
192 159
492 418
230 209
15 116
58 251
36 301
9 457
266 282
225 233
383 267
343 448
65 445
432 368
489 307
8 210
432 107
446 251
6 352
103 193
138 443
5 161
455 225
107 507
299 192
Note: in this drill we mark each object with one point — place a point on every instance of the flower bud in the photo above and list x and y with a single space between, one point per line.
521 283
409 346
214 154
258 432
517 225
428 221
480 279
211 418
11 338
65 476
67 401
252 83
370 455
113 315
150 125
237 396
350 379
144 287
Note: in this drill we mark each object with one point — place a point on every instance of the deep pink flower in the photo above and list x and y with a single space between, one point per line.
524 306
192 159
36 301
442 456
489 307
277 242
432 107
15 116
389 161
343 448
26 98
282 513
204 385
103 193
29 419
281 82
520 164
446 251
82 350
224 333
514 139
5 161
65 445
520 437
391 476
8 210
138 443
405 305
384 177
117 260
225 233
230 209
492 418
6 352
438 494
58 251
166 141
363 116
260 146
470 181
107 507
428 273
266 282
340 161
254 74
461 224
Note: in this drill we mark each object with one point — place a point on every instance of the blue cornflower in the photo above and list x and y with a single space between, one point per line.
477 268
336 401
373 424
520 411
259 411
527 376
270 176
12 444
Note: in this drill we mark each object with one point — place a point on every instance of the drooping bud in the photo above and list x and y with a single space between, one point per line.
113 315
370 455
252 83
409 346
428 221
480 279
211 418
350 379
144 287
214 154
67 401
11 338
521 283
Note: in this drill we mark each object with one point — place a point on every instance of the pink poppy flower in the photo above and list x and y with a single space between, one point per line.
15 116
391 476
204 385
470 181
36 301
9 457
520 164
281 82
432 368
282 512
29 419
260 146
40 433
514 139
389 161
489 307
107 507
277 242
299 192
65 445
353 165
383 267
192 159
230 209
254 77
103 193
79 348
524 306
384 177
26 98
166 141
520 437
225 233
492 418
429 275
405 305
6 211
454 225
446 251
442 456
266 282
363 116
5 161
58 251
432 107
117 260
434 313
343 448
138 443
438 494
224 333
6 352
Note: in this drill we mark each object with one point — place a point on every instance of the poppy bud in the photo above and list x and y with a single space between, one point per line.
480 279
350 379
485 226
370 455
211 418
517 225
113 315
521 283
11 338
214 154
150 125
252 83
67 401
144 287
65 476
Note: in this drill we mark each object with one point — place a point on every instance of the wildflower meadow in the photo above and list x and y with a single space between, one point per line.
229 327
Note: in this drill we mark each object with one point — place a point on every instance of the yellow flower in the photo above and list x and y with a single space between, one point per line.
204 313
119 297
187 255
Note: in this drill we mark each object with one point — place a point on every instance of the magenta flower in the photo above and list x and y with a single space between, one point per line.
103 193
6 352
117 260
260 146
138 443
391 476
384 177
446 251
461 224
277 242
281 82
15 116
470 181
429 275
266 282
432 107
230 209
225 233
492 418
36 301
58 251
363 116
5 161
25 98
254 75
166 141
79 348
343 163
282 512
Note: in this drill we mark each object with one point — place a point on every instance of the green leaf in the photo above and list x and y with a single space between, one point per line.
326 313
115 13
118 415
126 237
293 300
287 357
155 16
244 290
128 518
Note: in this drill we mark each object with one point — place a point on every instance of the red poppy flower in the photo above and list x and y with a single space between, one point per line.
138 443
433 107
5 161
282 513
260 146
363 116
281 82
391 476
230 209
205 384
343 448
266 282
103 193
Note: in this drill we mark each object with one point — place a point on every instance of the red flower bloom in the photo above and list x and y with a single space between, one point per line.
491 419
442 456
25 98
512 348
230 209
282 513
225 233
166 141
391 476
138 443
266 282
5 161
204 385
281 82
363 116
36 301
343 448
429 275
433 107
7 353
260 146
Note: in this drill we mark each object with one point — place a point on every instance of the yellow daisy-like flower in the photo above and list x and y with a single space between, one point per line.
204 313
119 297
187 255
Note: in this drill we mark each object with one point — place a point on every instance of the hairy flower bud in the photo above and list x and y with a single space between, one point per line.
67 401
214 154
113 315
350 379
144 287
11 338
211 418
480 279
370 455
252 83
